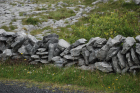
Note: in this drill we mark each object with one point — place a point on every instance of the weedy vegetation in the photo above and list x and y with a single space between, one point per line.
106 20
96 80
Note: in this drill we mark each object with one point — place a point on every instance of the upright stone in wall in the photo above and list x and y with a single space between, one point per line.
19 40
102 53
86 54
51 52
129 42
138 48
2 46
35 47
112 52
115 64
129 59
135 57
122 60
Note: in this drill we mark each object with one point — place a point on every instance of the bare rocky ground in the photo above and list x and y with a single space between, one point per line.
24 87
10 14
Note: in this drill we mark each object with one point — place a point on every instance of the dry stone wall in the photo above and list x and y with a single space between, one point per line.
119 54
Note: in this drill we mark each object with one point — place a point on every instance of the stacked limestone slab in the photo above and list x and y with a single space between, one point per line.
119 54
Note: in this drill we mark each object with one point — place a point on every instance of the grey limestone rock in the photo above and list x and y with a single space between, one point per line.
28 48
79 42
59 60
91 41
7 53
32 39
2 31
134 67
71 57
51 41
76 51
18 43
35 57
57 52
90 48
51 36
137 2
22 50
3 38
122 60
100 42
16 57
42 53
41 49
85 54
138 38
138 48
115 64
2 46
59 65
28 57
44 57
44 61
51 52
103 66
112 52
70 64
36 46
9 41
102 53
56 58
37 60
98 1
116 40
8 34
66 51
64 44
129 59
81 62
92 57
134 57
90 67
125 70
129 42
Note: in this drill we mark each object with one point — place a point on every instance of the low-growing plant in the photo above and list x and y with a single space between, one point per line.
30 20
61 14
6 28
21 13
108 25
12 27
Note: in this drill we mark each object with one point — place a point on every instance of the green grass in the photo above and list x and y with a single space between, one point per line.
10 28
96 80
69 2
117 18
60 14
6 28
38 31
30 20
